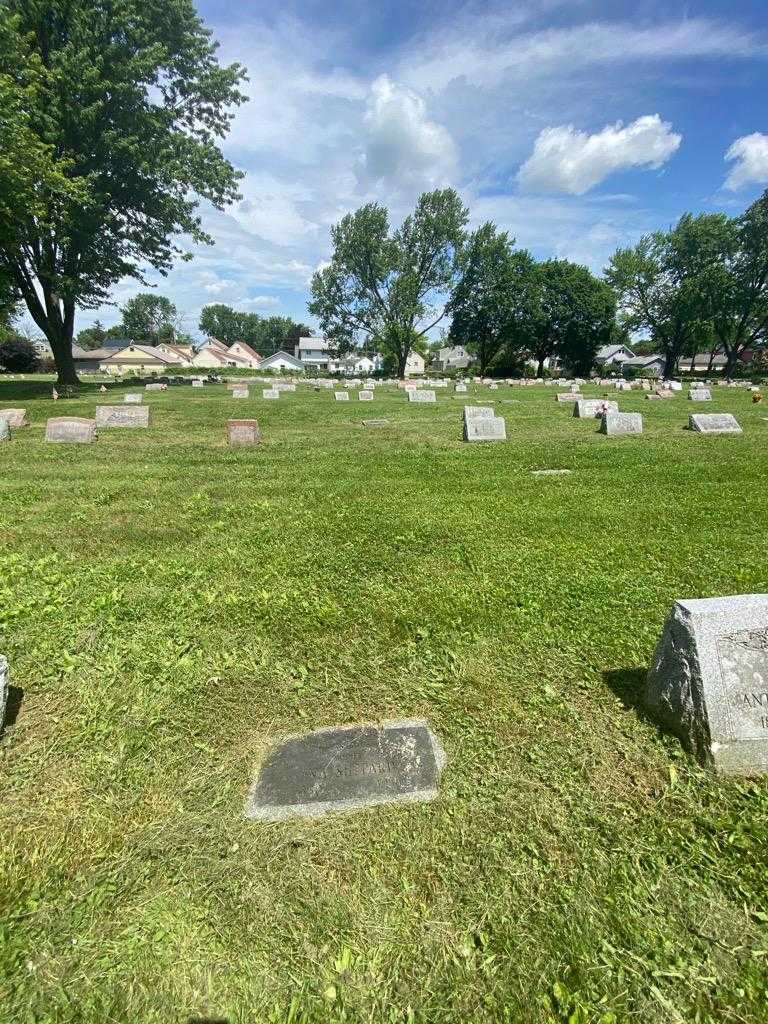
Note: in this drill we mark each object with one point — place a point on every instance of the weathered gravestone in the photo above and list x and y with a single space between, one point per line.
477 412
14 417
550 472
243 432
341 396
708 681
567 396
5 675
270 393
347 768
70 430
365 396
591 408
132 398
198 383
485 428
375 423
460 389
700 395
5 430
119 416
421 396
713 423
616 423
240 392
155 387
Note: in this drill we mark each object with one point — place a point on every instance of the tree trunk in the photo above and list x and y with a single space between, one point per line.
540 367
61 346
402 359
670 362
730 366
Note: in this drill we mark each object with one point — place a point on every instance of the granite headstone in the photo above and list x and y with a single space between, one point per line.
713 423
70 430
119 416
708 681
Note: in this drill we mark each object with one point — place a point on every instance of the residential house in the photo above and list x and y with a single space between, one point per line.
88 360
452 357
313 353
414 364
240 350
139 359
282 361
705 362
214 354
648 366
613 355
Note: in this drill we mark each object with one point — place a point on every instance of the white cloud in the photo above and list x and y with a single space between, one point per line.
262 302
751 167
567 160
488 52
403 147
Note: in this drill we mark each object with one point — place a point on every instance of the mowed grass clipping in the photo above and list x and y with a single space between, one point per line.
169 605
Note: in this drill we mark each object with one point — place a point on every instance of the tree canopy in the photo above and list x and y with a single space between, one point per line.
149 319
110 115
265 334
392 287
490 304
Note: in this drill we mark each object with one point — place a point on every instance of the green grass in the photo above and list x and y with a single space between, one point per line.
169 604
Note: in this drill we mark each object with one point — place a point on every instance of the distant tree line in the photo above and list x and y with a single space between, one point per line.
702 283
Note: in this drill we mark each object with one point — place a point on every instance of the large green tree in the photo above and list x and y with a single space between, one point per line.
391 287
569 314
658 294
114 108
490 303
92 337
149 318
265 334
727 258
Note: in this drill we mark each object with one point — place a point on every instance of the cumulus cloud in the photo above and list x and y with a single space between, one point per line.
750 154
567 160
262 302
403 147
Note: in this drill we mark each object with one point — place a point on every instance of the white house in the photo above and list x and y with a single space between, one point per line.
282 361
313 353
614 355
414 364
452 357
214 354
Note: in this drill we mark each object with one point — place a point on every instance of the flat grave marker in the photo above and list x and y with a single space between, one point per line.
375 423
132 398
421 396
713 423
118 416
700 395
341 396
365 396
347 768
270 393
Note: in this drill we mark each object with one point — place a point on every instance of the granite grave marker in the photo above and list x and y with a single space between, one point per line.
347 768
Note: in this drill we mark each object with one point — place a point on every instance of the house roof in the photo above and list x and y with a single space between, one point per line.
281 354
656 357
248 350
704 357
312 343
610 350
141 354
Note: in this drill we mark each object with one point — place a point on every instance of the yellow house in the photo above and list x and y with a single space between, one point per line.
142 359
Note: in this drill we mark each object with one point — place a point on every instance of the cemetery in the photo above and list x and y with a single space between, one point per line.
383 507
366 687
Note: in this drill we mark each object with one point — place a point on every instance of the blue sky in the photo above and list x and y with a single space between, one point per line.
575 125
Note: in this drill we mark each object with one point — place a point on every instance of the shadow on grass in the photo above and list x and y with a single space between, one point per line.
629 685
13 705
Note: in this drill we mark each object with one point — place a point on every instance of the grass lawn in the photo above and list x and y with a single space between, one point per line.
168 605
